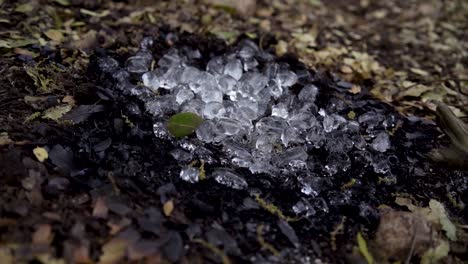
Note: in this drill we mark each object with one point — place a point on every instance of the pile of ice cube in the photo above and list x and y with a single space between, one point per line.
253 115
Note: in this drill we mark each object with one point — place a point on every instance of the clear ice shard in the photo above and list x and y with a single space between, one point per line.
150 80
189 174
211 95
311 185
228 126
213 110
279 110
234 69
216 65
293 157
191 75
229 179
139 63
206 131
227 84
381 143
304 207
308 93
183 94
286 78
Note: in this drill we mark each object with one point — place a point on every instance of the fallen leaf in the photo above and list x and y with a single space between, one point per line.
62 2
69 99
168 207
433 255
113 251
41 154
362 244
6 255
55 113
24 8
413 89
5 139
439 211
355 89
183 124
100 209
419 72
281 48
43 235
54 35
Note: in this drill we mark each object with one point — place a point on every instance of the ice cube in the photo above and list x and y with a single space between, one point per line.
139 63
160 130
255 80
337 161
191 75
193 106
162 105
206 131
234 69
248 49
227 84
311 185
216 65
381 143
213 110
211 95
249 64
370 119
286 78
183 94
304 207
181 155
244 115
240 155
150 80
229 179
171 78
170 59
276 91
291 157
279 110
228 126
271 126
189 174
290 135
308 93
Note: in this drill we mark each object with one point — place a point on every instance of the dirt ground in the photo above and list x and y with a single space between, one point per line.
81 180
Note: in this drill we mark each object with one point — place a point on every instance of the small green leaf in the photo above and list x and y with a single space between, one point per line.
63 2
362 244
24 8
183 124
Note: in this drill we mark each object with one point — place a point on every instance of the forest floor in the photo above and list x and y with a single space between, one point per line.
407 54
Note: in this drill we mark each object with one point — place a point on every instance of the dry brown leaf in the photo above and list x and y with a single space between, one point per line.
355 89
100 209
69 99
113 251
43 235
54 35
5 139
168 207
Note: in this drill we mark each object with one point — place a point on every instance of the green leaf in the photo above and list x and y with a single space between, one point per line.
362 244
183 124
24 8
63 2
439 211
